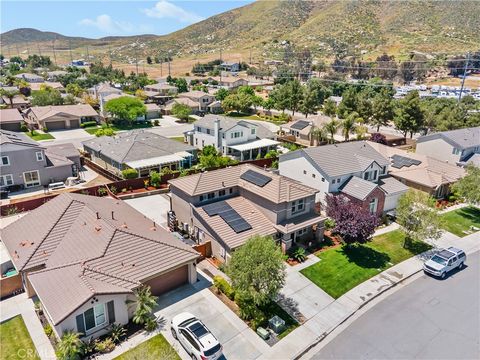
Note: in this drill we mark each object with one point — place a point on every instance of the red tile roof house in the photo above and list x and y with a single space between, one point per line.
83 256
226 207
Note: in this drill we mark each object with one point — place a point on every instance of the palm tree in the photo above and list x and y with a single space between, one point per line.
70 346
146 302
318 134
349 124
9 94
331 128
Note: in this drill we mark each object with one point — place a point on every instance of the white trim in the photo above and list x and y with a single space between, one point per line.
41 155
32 183
5 182
8 161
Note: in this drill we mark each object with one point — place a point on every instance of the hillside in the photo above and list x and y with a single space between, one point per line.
368 28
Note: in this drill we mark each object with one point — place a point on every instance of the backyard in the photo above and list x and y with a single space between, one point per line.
459 221
16 341
344 267
155 348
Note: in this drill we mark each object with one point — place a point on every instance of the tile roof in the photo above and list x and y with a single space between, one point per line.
279 189
460 138
10 116
85 250
184 101
44 112
390 185
227 123
196 94
13 137
38 85
358 187
66 150
136 145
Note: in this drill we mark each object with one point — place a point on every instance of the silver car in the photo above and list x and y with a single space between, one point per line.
445 261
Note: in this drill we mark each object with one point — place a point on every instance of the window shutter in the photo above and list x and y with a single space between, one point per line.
80 324
111 312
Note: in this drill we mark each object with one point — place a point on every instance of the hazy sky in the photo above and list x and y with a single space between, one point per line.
94 18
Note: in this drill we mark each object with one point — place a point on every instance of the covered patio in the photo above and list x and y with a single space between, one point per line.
175 161
250 150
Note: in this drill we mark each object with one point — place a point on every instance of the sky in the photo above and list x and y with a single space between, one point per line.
95 18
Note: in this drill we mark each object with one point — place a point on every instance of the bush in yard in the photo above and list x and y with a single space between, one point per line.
113 190
299 254
48 330
105 132
23 128
181 111
145 303
117 332
130 174
352 222
155 179
104 346
45 129
329 224
156 122
223 286
151 324
257 270
101 191
88 124
70 347
379 138
468 186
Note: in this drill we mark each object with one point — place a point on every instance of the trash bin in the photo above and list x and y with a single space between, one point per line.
277 324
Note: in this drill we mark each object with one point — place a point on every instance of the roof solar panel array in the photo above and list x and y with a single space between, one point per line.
300 125
230 216
399 162
255 178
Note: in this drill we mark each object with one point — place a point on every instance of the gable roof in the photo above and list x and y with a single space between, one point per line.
196 94
10 116
226 123
16 138
460 138
358 187
341 159
44 112
279 189
390 185
136 145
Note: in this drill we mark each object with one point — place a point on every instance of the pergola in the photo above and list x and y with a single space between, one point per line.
174 161
250 150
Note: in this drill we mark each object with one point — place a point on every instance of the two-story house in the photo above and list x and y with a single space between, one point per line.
25 163
241 139
226 207
354 169
459 147
203 99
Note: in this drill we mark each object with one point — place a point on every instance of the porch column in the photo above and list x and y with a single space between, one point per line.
251 154
241 155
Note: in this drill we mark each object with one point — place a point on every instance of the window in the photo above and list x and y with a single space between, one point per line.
236 134
39 156
298 206
301 232
6 180
253 131
31 178
5 161
91 318
370 175
208 131
456 151
323 179
373 206
384 170
202 198
231 190
221 193
203 143
196 141
210 196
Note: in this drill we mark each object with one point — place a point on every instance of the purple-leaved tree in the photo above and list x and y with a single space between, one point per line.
352 222
378 138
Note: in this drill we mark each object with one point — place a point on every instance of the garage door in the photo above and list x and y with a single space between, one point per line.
74 124
168 281
55 125
11 126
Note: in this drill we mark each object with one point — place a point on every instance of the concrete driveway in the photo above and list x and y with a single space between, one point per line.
154 207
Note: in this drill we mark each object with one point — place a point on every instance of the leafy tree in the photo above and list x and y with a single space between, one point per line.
322 91
348 125
246 89
309 103
257 270
70 347
378 138
75 89
468 187
240 102
348 103
181 111
141 94
17 60
181 85
409 116
317 134
46 96
330 108
126 108
221 94
331 128
70 100
145 304
35 61
130 173
382 109
9 94
294 93
279 96
364 104
149 60
211 158
353 223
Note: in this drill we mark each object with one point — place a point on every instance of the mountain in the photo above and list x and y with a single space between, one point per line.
367 28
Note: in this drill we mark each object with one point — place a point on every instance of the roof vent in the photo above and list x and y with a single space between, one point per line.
98 228
124 225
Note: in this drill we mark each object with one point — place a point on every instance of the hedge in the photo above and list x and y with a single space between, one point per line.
88 124
223 286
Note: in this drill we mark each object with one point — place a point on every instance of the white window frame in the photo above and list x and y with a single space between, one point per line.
8 160
373 205
253 131
41 158
95 316
5 182
31 183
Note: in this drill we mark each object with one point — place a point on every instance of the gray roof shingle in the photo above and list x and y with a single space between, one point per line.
358 187
460 138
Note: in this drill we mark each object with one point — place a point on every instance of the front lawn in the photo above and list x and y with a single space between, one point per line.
122 126
342 268
16 341
460 220
155 348
37 136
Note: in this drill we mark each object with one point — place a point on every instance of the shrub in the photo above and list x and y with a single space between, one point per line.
101 191
45 129
117 332
88 124
155 179
222 285
105 132
23 128
156 122
299 254
151 325
113 189
105 346
48 330
329 224
130 174
166 171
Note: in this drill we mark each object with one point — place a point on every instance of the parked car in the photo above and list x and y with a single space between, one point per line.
195 337
445 261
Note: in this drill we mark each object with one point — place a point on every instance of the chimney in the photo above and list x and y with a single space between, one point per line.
216 133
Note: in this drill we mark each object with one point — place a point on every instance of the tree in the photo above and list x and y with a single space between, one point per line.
322 91
294 93
309 103
240 102
331 128
353 223
70 100
279 96
75 89
181 85
378 138
382 109
139 93
211 158
257 270
317 134
348 125
126 108
145 303
468 187
149 60
46 96
409 116
417 216
9 94
221 94
181 111
348 103
330 108
70 347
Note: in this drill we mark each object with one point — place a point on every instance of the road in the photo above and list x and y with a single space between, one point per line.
427 319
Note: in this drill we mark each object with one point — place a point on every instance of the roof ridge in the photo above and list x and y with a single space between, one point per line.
56 267
86 267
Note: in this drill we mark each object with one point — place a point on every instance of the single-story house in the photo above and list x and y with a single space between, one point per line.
230 66
54 75
229 82
162 89
193 105
102 90
153 111
215 107
301 131
11 119
60 117
18 102
31 78
84 257
35 86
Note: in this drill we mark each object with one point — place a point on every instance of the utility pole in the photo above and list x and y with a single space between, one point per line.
88 55
39 51
464 76
161 67
110 53
250 57
136 56
28 50
18 51
70 50
54 54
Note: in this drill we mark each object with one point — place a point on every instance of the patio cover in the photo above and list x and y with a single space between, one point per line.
159 160
254 145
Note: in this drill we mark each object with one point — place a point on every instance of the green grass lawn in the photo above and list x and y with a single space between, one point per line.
343 268
39 136
155 348
177 138
123 126
15 340
460 220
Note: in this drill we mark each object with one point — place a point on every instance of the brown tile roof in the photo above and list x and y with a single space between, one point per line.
10 116
196 94
279 189
44 112
52 84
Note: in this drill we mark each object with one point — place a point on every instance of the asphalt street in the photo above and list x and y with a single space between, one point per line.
427 319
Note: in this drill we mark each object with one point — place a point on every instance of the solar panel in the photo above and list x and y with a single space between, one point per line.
300 125
401 161
229 215
255 178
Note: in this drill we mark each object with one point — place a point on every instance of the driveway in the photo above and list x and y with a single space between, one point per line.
154 207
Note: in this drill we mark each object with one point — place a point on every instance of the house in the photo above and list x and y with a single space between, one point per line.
421 172
39 85
455 146
11 119
201 98
241 139
102 90
18 102
25 163
153 111
228 82
230 66
226 207
55 75
142 150
354 169
84 256
215 107
60 116
300 131
162 89
31 78
193 105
